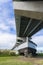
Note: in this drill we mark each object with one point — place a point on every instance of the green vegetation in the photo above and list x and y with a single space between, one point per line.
40 54
12 60
9 57
8 53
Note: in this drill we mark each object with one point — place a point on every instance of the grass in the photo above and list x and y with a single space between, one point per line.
20 60
12 61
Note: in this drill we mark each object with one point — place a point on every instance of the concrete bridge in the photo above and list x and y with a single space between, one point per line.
29 18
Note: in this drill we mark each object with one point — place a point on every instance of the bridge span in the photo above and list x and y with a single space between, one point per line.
28 17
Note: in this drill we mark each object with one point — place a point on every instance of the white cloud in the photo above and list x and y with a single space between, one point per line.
12 23
3 26
2 1
7 40
38 39
7 20
6 26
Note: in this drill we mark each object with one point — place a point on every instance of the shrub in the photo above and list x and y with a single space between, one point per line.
8 53
12 53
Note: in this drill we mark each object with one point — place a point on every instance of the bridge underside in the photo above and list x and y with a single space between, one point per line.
29 18
26 27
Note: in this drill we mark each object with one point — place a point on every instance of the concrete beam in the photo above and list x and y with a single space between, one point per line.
27 26
35 27
17 19
29 9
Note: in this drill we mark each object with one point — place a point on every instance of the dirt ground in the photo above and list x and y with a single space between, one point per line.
33 60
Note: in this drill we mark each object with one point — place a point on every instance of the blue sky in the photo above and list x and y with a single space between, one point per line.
8 28
7 17
7 25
